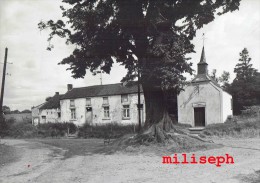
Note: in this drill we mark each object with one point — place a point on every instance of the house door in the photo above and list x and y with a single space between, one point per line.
43 119
89 115
199 116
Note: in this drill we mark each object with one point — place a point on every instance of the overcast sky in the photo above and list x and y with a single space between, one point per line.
35 74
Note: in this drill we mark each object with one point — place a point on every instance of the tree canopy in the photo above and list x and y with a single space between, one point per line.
153 35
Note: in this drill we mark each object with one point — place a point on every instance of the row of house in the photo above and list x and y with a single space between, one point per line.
100 104
201 103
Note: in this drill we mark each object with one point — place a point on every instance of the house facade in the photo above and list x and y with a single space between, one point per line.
48 112
203 101
102 104
36 114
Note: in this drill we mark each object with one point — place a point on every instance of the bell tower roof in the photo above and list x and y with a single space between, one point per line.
203 57
202 65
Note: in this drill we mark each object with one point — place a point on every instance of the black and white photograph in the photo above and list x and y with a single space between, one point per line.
130 91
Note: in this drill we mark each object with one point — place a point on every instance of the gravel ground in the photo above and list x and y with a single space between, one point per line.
44 163
8 154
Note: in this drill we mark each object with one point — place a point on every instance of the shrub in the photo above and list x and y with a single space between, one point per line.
105 131
55 129
22 130
26 130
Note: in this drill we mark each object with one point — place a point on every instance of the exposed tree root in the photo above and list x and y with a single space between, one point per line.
164 134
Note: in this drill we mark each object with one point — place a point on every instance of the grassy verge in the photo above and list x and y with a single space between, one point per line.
242 129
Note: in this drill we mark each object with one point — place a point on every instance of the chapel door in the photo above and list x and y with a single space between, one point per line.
199 116
89 115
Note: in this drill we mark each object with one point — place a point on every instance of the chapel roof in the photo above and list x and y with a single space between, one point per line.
203 76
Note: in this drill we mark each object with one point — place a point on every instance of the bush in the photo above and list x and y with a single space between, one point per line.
55 129
105 131
251 111
22 130
25 129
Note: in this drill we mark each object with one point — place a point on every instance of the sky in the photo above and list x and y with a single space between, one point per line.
35 73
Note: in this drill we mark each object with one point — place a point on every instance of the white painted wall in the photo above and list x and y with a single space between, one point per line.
115 107
227 105
208 95
36 114
51 115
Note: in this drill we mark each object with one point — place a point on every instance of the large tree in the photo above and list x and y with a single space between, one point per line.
149 36
245 88
244 69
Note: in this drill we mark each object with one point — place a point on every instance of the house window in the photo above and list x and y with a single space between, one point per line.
59 115
43 117
106 112
105 100
124 98
88 102
73 113
126 111
72 103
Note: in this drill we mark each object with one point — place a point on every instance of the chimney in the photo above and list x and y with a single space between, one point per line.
57 93
69 86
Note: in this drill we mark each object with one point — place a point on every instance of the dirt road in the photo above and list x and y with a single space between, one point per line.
43 163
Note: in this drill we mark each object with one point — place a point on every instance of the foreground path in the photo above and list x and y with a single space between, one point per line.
43 163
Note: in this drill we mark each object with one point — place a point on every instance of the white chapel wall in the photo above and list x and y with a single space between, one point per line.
206 94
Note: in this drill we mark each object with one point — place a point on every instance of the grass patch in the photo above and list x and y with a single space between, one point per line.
240 129
75 147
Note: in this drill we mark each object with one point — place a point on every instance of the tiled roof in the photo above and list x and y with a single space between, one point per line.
101 90
52 103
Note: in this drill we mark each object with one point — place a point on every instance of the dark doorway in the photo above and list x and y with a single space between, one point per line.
89 115
199 116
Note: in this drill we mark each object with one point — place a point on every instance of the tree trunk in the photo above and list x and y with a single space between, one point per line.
156 109
158 121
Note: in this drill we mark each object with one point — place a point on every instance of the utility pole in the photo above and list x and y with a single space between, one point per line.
3 85
139 99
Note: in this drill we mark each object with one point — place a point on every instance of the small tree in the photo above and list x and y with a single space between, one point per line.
6 109
223 80
213 75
